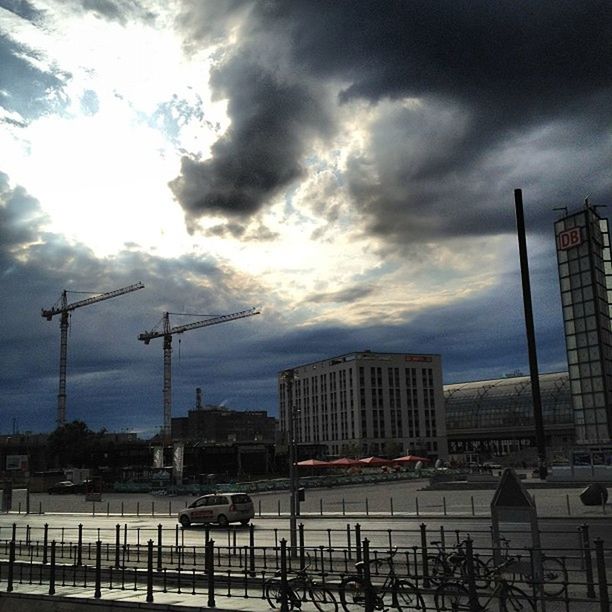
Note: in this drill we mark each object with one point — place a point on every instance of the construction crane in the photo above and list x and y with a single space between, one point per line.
166 332
63 308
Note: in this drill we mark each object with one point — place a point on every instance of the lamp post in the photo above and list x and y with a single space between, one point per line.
289 376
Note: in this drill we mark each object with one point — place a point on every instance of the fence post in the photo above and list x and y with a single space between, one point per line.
98 591
45 543
588 561
283 576
367 582
52 570
79 558
159 547
424 555
11 567
150 571
602 579
252 549
348 541
117 545
210 572
469 566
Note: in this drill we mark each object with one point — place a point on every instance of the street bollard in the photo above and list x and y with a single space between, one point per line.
367 507
98 590
444 505
170 508
152 508
150 571
321 506
567 501
121 508
416 503
137 508
107 508
93 508
278 507
343 507
473 507
259 508
358 542
391 505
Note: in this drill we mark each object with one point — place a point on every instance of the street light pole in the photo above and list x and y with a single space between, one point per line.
293 503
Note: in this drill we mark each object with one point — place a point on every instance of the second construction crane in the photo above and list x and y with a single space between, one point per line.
166 332
62 307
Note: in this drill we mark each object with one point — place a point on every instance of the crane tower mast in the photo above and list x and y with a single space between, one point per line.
64 309
166 333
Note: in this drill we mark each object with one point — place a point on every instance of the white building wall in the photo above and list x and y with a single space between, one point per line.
368 403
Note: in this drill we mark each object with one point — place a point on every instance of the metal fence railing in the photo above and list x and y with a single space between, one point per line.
441 570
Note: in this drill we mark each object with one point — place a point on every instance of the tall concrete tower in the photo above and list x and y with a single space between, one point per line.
585 276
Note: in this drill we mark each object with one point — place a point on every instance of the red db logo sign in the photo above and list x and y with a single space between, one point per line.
569 238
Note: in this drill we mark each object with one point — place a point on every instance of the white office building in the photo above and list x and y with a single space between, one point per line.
368 403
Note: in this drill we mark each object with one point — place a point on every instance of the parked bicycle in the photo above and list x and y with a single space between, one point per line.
454 596
394 592
451 564
554 573
301 589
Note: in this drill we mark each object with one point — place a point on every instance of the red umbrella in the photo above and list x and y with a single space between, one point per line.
410 459
375 461
312 463
344 462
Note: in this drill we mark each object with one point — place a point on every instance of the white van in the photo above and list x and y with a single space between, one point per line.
221 508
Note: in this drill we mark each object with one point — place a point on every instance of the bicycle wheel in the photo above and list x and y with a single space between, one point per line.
323 599
352 593
513 599
554 577
482 573
439 571
272 592
451 597
408 596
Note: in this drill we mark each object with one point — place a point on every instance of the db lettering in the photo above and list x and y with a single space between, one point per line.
570 238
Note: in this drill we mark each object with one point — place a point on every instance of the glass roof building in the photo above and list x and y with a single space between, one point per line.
495 417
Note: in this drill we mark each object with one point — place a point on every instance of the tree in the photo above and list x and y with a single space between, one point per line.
73 445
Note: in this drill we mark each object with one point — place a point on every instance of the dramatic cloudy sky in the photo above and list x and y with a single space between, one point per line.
346 166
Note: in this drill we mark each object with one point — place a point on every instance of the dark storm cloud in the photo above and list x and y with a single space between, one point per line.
488 76
261 151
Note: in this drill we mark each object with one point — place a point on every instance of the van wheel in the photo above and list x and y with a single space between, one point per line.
184 521
222 520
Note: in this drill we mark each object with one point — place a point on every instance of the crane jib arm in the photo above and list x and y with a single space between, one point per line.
49 313
146 337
